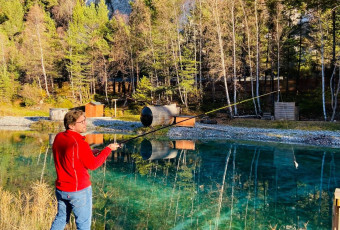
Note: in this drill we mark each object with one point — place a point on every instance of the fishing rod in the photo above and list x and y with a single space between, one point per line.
200 115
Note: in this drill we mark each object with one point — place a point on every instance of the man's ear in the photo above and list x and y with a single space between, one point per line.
71 127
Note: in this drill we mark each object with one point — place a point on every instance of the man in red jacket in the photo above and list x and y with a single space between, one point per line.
72 158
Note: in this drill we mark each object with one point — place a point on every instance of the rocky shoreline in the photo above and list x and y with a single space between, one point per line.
220 132
199 132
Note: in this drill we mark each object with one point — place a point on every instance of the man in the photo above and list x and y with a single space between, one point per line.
72 158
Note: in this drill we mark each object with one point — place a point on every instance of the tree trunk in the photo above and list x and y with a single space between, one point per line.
132 72
195 51
42 60
114 86
220 42
323 72
176 69
152 49
179 53
278 57
300 56
234 56
334 38
137 74
249 57
105 79
334 96
200 58
288 57
257 58
213 89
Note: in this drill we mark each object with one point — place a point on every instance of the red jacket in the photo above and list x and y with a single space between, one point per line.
72 158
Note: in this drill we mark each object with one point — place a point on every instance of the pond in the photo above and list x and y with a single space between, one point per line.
151 184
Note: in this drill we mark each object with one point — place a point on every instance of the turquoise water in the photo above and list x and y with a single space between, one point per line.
219 185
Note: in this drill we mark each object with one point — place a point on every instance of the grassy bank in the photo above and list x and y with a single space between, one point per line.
7 109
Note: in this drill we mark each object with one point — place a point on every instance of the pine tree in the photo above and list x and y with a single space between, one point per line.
187 75
144 91
11 24
78 59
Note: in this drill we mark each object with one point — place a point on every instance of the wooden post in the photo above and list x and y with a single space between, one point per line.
115 107
336 206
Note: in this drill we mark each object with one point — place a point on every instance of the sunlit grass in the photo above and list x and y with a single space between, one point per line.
129 117
7 109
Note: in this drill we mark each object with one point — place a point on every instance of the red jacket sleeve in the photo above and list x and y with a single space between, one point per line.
89 160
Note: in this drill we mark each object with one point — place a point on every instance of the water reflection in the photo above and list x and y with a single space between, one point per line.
156 150
94 139
193 185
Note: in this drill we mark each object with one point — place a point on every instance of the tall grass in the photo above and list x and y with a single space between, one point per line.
35 209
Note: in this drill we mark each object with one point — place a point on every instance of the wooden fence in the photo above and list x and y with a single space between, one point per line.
286 111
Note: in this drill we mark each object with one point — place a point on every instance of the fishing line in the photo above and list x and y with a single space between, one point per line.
200 115
296 164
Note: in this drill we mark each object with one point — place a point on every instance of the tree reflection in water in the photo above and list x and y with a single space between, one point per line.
215 185
262 189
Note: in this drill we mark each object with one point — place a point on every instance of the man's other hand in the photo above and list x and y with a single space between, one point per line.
114 146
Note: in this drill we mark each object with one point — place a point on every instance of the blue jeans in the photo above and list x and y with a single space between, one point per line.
80 203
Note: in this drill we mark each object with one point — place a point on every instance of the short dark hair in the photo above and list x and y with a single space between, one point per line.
71 117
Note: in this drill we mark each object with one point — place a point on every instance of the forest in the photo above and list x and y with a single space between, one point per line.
200 54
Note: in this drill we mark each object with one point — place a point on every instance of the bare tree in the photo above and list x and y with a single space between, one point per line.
234 54
257 57
322 70
249 56
334 95
278 38
221 48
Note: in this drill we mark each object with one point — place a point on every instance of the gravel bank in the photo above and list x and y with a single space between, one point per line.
107 124
18 123
104 124
218 132
200 131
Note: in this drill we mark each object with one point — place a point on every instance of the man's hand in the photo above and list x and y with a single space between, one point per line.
114 146
95 151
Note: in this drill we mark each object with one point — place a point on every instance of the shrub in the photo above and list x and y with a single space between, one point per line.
47 125
31 94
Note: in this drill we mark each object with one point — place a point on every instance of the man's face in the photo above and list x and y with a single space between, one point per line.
80 125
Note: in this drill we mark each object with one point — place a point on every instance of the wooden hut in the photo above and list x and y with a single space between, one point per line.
185 121
94 109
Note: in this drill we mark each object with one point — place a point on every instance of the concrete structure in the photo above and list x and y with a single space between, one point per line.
57 114
159 115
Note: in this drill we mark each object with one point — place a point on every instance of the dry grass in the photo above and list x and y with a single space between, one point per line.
35 209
